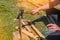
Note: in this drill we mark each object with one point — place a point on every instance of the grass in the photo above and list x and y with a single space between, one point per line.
7 14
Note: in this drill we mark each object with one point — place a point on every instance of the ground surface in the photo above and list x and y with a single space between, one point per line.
16 36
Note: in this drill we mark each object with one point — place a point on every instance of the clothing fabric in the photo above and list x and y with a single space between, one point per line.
53 37
33 4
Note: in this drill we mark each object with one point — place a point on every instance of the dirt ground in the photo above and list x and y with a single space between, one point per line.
16 36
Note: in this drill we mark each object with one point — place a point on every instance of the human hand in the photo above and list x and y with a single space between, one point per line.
35 11
53 27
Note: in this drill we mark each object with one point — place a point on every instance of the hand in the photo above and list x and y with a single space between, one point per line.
35 11
53 27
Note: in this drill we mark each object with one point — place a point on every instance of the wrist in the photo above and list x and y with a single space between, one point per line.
58 29
39 9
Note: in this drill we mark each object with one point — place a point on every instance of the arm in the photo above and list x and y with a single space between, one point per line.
46 6
54 3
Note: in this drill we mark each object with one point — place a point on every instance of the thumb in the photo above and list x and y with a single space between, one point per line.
35 11
49 25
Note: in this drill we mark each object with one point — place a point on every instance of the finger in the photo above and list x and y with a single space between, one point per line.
33 12
49 25
52 29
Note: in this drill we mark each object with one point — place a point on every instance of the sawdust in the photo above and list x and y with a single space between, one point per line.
16 36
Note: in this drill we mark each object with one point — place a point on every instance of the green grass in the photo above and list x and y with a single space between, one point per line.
8 12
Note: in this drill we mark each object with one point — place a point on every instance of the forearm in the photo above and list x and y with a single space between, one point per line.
44 7
49 5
